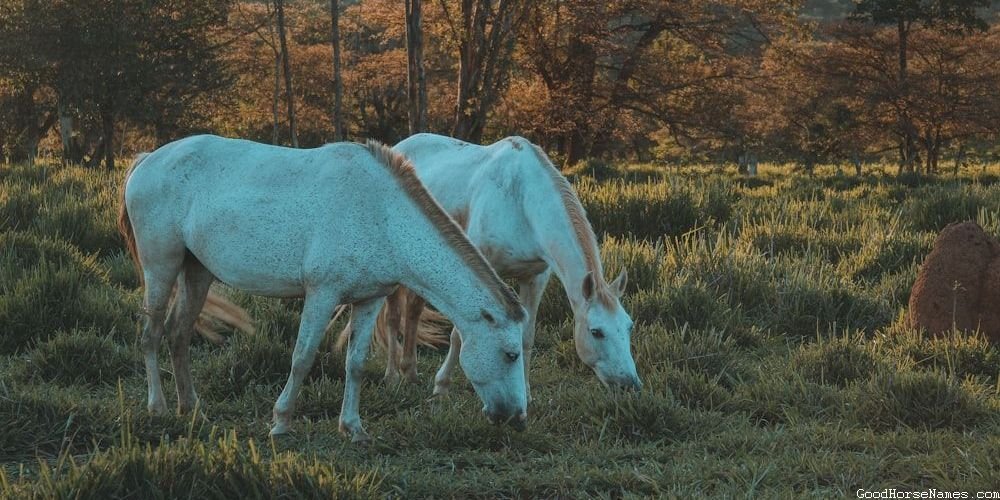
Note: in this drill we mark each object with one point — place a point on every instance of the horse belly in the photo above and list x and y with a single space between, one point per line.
249 250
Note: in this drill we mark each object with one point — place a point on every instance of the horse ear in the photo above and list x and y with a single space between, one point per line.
620 282
588 286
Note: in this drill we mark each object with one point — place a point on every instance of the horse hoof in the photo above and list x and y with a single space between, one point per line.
157 408
355 431
361 437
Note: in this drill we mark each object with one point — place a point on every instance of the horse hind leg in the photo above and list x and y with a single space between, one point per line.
414 307
159 274
192 290
390 328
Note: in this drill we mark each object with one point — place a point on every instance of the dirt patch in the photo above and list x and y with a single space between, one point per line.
959 283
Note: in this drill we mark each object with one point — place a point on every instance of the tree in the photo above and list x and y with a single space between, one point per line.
615 69
485 46
801 106
286 64
416 81
110 60
338 82
904 14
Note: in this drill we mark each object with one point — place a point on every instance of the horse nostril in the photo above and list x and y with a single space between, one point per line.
512 356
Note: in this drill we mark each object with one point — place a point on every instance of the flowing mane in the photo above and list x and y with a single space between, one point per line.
581 226
402 170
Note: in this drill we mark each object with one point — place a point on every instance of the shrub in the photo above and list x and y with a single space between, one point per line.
21 251
82 222
19 205
640 258
838 361
925 400
49 298
688 304
958 354
697 389
708 352
226 468
784 399
43 422
643 210
259 359
935 208
646 416
594 168
81 357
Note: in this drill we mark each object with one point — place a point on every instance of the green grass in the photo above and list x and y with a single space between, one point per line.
770 336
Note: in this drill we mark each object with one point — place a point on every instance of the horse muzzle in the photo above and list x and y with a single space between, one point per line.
503 415
624 382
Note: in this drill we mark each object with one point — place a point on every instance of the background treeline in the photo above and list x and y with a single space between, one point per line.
810 82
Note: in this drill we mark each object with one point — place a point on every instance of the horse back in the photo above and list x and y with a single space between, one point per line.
262 218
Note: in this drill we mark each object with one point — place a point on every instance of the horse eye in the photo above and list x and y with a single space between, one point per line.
488 317
597 333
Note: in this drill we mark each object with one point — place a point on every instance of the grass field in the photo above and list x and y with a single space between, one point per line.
769 334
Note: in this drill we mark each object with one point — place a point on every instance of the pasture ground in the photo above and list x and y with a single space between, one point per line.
769 334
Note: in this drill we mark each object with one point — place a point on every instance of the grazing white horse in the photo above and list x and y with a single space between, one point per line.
526 219
339 224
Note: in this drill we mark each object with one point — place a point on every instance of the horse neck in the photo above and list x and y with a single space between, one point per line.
557 236
438 273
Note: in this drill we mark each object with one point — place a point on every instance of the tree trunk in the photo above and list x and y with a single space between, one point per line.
287 70
484 61
69 150
908 145
108 131
416 83
474 27
31 136
338 83
575 149
276 90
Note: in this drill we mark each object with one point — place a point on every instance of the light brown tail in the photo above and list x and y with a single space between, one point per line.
216 309
431 331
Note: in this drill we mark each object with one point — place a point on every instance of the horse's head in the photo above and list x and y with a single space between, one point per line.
491 357
603 333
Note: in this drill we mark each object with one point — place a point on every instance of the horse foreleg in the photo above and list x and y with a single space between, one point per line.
414 308
316 313
365 314
531 291
442 381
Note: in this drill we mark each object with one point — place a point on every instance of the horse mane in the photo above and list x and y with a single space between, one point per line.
402 170
581 226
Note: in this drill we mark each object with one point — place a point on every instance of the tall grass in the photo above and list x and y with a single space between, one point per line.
770 336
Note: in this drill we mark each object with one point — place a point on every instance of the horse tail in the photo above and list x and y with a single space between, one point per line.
430 330
216 306
125 224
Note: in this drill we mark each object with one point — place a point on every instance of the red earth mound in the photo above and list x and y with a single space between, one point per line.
959 283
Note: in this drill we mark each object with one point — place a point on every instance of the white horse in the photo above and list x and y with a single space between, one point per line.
526 219
339 224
